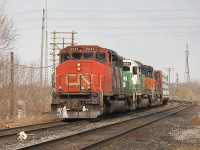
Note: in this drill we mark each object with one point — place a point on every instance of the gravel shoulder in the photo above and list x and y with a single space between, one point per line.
178 132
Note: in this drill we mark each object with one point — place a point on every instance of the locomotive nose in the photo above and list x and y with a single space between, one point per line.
78 77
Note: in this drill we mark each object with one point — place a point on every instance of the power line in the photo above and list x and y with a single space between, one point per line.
25 12
125 11
197 33
122 19
28 20
30 28
33 67
28 67
114 28
135 34
124 27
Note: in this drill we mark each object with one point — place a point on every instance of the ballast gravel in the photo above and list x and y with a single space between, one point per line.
177 132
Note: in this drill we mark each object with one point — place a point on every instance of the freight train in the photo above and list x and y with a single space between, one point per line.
91 81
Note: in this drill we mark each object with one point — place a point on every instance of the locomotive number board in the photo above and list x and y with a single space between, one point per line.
127 63
73 49
90 48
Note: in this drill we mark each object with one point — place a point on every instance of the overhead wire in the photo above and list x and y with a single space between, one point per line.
125 27
29 67
125 11
25 12
122 19
33 67
28 20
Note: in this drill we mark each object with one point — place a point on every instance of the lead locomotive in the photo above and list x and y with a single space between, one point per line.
92 81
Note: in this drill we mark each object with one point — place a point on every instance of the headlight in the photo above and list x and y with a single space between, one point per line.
60 87
88 87
78 68
82 87
78 65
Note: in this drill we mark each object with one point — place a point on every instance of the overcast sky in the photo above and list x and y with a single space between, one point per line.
154 32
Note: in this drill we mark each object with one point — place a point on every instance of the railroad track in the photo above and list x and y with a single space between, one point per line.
93 138
13 131
5 133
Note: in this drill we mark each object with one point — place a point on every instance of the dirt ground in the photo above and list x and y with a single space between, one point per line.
178 132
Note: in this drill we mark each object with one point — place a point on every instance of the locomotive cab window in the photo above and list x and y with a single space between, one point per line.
64 57
126 68
134 70
76 56
101 57
88 55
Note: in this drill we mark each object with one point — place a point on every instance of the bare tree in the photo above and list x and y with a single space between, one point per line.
8 33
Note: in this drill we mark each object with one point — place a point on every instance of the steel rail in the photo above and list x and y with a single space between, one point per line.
52 142
3 132
106 141
15 131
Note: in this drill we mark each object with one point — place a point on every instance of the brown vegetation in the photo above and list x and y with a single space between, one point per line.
196 121
28 98
189 92
8 34
31 98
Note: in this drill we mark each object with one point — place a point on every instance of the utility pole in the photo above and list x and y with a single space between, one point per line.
187 73
46 54
54 58
73 38
12 100
169 73
42 48
177 80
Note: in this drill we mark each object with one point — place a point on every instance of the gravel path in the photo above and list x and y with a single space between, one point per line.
178 132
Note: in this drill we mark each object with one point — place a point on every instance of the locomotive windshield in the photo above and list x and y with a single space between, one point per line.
101 57
126 68
88 55
64 57
76 56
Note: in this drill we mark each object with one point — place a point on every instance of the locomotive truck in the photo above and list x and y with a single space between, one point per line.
93 81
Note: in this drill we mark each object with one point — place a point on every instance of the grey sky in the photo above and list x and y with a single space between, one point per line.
154 32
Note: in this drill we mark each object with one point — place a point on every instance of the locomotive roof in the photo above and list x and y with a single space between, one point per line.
139 63
115 53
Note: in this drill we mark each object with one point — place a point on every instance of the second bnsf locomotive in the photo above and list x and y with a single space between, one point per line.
92 81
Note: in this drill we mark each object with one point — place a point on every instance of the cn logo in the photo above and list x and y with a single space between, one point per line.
80 77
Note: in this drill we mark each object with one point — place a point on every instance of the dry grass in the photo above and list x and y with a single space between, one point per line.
192 147
196 121
25 121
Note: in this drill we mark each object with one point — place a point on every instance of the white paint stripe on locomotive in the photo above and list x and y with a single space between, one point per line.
78 83
84 78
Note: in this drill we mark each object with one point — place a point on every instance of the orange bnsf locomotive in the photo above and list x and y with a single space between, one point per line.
92 81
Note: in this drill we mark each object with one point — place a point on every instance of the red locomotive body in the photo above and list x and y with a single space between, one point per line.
89 82
84 75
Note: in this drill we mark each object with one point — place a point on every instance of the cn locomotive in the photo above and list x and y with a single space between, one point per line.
92 81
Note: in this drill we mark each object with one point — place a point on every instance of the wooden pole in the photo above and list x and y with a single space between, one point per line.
42 48
12 100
